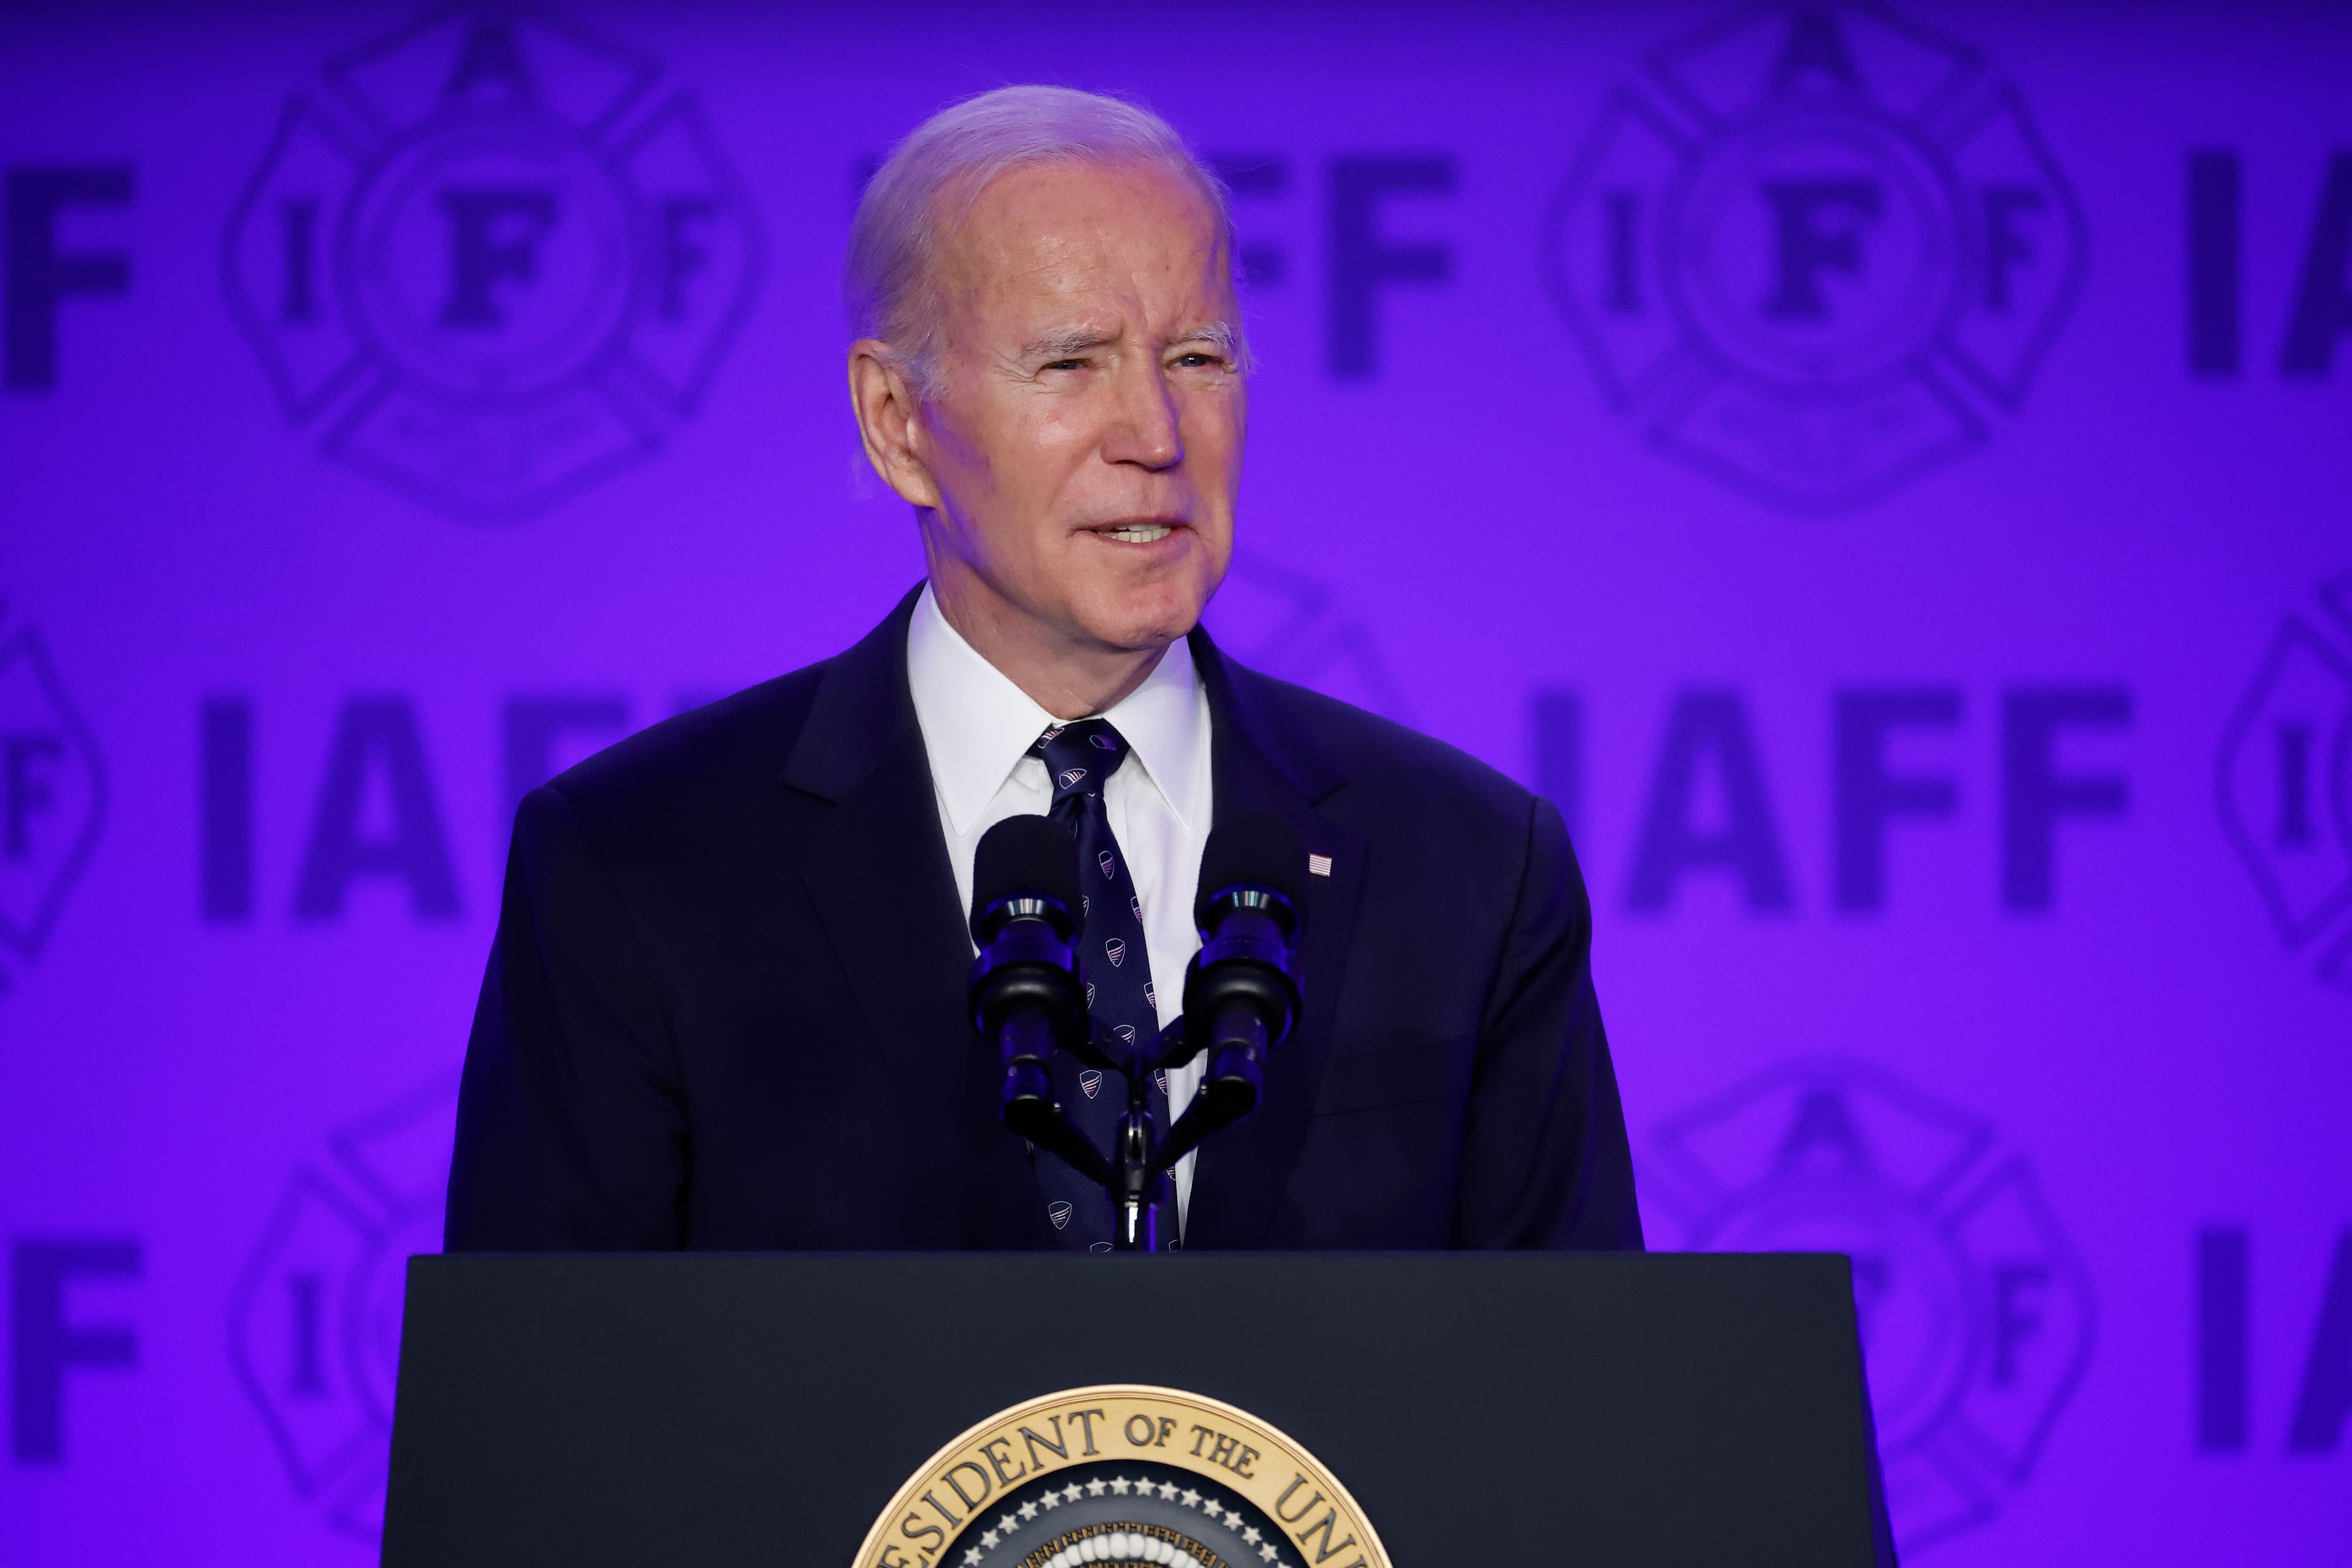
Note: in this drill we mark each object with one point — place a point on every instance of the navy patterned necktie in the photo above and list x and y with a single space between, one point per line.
1117 968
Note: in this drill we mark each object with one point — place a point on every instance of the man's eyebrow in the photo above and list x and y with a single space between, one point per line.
1221 333
1061 345
1079 341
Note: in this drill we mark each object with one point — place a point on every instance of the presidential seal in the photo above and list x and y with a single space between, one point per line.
1122 1474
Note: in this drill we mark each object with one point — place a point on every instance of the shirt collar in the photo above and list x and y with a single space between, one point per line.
978 726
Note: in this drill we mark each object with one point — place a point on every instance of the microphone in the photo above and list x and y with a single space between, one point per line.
1241 990
1025 996
1241 998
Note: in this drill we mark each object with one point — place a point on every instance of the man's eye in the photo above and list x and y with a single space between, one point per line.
1197 359
1063 364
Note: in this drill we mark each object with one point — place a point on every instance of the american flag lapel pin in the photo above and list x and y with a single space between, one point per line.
1318 865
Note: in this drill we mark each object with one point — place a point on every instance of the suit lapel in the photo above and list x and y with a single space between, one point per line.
1262 761
864 823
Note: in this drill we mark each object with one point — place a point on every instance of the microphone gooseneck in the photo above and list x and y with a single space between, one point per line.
1024 992
1241 996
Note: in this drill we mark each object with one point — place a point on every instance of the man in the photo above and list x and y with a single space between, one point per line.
725 1006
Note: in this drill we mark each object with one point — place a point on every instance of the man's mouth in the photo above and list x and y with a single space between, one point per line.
1135 532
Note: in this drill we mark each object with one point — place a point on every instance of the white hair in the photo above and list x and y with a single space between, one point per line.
886 278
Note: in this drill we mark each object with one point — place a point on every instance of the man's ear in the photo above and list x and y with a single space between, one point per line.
890 421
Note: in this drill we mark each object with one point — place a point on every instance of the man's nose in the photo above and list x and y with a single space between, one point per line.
1144 428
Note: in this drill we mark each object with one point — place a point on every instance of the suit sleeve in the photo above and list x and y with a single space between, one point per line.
1546 1163
571 1129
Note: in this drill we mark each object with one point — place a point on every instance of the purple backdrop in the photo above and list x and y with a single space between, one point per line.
1882 471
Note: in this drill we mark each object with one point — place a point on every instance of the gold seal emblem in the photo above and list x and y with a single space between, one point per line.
1118 1475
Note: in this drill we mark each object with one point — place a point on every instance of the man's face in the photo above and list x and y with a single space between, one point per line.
1085 437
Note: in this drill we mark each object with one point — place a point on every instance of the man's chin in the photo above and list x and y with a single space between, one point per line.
1142 622
1146 615
1140 634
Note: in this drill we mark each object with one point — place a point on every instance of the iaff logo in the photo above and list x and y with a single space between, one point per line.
2286 781
52 794
1813 251
314 1323
1977 1320
491 260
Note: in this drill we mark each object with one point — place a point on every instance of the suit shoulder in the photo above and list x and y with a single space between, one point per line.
1445 825
739 741
1387 758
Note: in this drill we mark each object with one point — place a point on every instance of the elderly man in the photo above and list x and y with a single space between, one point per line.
725 1006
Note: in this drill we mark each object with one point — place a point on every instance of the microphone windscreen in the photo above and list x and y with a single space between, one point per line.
1256 847
1024 855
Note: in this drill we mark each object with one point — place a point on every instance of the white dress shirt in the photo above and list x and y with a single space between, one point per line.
978 728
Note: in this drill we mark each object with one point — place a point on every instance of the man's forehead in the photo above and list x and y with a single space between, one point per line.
1084 195
1087 243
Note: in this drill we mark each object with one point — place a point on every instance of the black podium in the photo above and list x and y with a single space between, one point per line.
1473 1409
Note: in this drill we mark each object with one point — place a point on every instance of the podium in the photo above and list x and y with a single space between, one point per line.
984 1410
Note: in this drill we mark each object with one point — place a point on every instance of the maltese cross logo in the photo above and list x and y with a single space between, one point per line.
314 1320
1814 251
491 258
52 796
2285 782
1977 1317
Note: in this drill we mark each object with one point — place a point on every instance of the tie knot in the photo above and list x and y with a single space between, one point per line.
1081 755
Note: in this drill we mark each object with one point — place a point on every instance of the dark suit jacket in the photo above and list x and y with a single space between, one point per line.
725 1006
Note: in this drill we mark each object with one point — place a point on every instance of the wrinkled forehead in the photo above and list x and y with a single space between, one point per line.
1067 234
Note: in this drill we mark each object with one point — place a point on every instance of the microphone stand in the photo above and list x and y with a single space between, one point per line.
1135 1175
